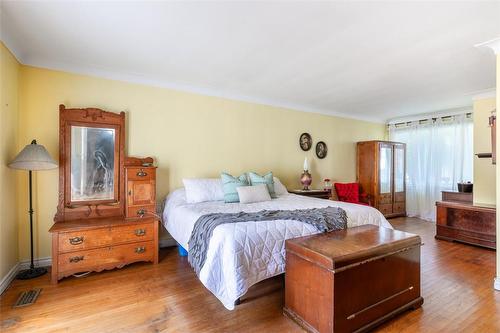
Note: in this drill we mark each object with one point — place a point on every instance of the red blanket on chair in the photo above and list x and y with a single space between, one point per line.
349 192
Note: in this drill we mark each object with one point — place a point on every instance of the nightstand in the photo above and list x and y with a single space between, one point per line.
321 194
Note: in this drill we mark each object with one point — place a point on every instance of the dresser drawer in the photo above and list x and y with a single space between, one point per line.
140 173
399 208
135 211
89 239
385 199
385 209
84 239
105 258
133 233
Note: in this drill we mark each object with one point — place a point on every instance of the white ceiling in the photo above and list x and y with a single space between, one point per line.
369 60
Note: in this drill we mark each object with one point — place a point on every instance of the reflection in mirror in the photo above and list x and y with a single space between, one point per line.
92 163
385 169
399 171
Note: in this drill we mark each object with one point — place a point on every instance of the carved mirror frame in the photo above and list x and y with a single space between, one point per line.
68 209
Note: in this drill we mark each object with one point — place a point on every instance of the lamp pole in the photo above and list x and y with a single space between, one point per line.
32 266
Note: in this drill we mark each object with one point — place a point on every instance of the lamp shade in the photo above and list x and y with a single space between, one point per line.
33 157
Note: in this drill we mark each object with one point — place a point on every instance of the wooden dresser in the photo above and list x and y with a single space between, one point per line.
457 219
380 169
99 244
106 209
351 280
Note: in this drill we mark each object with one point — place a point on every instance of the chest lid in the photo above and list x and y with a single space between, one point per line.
340 248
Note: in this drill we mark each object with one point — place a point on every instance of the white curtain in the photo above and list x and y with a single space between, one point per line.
439 153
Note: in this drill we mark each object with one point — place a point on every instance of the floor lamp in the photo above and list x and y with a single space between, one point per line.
33 157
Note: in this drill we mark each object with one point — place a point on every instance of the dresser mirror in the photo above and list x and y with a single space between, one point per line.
91 156
93 164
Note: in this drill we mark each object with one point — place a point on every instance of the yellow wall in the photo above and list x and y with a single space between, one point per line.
9 72
190 135
484 170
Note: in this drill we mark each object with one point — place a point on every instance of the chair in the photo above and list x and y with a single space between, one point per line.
350 192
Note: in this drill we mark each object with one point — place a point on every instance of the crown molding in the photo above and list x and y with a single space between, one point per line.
188 88
493 44
484 94
13 46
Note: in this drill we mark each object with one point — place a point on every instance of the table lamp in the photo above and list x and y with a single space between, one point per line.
33 157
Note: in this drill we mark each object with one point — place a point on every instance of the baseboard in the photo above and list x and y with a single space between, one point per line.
7 279
11 275
47 261
40 262
496 284
167 242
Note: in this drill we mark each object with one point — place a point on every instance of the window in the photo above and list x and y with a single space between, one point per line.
439 154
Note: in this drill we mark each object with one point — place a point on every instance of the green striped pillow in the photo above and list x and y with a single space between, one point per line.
230 184
267 179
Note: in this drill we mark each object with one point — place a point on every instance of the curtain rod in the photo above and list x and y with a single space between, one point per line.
434 115
425 120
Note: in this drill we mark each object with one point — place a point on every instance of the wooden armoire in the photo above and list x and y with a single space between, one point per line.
381 167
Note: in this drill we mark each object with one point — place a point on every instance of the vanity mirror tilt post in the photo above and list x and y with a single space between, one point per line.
106 212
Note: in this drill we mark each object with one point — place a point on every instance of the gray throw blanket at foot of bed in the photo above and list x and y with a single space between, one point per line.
324 219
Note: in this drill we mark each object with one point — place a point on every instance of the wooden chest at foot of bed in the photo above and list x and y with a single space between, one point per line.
351 280
97 244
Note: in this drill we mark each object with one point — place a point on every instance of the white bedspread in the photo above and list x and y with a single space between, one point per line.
242 254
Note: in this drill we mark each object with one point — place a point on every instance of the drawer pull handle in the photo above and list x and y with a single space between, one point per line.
142 173
76 240
141 212
140 249
76 259
140 232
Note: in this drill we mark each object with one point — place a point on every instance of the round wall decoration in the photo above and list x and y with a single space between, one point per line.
305 141
321 149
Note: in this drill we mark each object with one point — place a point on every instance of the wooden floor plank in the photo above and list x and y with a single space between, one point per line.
457 282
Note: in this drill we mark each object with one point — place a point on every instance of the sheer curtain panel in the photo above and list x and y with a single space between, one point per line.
439 154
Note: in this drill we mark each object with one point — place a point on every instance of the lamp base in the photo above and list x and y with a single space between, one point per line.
31 273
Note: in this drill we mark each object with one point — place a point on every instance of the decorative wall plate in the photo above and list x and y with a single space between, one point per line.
305 141
321 149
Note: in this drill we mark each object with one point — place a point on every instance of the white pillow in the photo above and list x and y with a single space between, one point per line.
203 189
279 188
257 193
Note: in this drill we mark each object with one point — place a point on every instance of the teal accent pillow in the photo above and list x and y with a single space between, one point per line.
230 184
267 179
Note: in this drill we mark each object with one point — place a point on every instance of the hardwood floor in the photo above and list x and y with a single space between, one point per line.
457 285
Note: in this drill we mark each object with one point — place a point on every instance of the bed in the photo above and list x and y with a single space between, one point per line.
242 254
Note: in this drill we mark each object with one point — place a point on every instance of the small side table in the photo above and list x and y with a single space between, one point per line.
321 194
